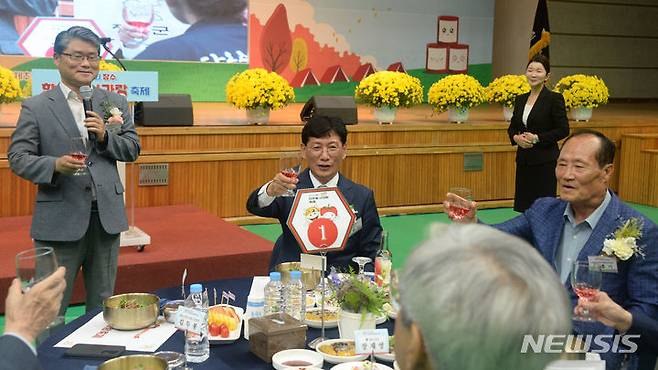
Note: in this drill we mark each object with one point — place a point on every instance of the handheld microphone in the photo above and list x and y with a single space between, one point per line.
86 92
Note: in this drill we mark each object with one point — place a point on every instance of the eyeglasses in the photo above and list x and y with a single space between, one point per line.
94 58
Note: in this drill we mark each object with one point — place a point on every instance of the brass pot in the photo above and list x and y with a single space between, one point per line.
170 308
134 362
310 278
131 318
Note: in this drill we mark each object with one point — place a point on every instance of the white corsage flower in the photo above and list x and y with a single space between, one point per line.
623 243
622 248
114 111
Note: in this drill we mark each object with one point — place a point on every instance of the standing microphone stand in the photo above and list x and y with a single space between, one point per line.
134 237
104 42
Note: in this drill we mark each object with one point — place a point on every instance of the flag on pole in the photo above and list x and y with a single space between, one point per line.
541 32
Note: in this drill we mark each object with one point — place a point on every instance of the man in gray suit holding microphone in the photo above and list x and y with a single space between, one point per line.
79 204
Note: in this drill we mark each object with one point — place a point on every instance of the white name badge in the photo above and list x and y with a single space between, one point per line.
602 263
191 320
371 341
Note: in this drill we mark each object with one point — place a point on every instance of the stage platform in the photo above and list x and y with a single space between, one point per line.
181 237
410 165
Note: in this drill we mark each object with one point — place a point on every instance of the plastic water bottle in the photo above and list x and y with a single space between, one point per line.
274 294
383 262
295 296
197 347
255 308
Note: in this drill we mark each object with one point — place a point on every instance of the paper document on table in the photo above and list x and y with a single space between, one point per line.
96 331
576 365
258 286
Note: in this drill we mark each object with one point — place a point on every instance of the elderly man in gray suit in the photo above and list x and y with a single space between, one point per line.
81 217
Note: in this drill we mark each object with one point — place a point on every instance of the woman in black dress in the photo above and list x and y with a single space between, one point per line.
538 123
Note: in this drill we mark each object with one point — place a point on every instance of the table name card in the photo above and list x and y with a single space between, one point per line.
371 341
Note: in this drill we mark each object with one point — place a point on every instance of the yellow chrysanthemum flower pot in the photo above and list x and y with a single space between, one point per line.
581 94
504 90
456 94
386 91
258 91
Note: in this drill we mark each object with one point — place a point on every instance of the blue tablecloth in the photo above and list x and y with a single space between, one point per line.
222 356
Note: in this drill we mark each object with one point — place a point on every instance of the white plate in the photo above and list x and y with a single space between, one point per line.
388 357
390 311
358 365
338 359
317 324
314 358
233 335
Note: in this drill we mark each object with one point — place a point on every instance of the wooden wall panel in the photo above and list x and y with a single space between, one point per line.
613 39
16 195
407 165
603 18
618 52
638 3
638 176
652 171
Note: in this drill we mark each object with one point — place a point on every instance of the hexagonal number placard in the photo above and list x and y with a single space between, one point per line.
38 37
321 220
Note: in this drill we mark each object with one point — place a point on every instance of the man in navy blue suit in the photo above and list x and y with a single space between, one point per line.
26 316
324 146
574 226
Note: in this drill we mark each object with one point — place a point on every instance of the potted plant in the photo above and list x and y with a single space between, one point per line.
10 87
386 91
504 90
581 94
258 91
456 94
104 65
360 302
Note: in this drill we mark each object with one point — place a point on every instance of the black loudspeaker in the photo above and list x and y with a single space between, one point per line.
342 107
170 110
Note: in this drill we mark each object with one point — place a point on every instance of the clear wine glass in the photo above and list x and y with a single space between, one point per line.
586 283
459 208
80 150
290 165
34 265
139 14
362 261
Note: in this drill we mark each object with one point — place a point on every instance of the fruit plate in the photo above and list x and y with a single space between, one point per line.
229 316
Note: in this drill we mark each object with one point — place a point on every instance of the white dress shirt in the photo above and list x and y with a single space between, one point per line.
526 113
265 200
77 109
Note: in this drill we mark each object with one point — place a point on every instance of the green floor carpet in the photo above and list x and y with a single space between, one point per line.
405 232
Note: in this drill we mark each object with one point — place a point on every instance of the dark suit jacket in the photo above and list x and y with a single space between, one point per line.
15 354
63 203
547 119
647 328
635 286
364 242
